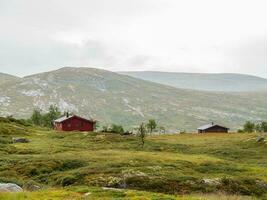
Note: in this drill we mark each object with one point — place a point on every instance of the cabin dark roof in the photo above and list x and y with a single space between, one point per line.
207 126
64 118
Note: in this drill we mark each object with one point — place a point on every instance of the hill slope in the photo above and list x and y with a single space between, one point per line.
113 98
208 82
6 77
170 164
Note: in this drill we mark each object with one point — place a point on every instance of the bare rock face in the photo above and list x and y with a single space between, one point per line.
10 187
20 140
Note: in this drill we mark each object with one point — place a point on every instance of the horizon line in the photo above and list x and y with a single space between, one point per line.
121 71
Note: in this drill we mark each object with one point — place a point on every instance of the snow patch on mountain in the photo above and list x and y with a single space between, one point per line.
32 93
125 100
132 108
4 100
66 106
40 104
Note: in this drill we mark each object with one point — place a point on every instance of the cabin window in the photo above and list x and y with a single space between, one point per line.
69 125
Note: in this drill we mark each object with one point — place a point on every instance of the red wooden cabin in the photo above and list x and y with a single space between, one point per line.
74 123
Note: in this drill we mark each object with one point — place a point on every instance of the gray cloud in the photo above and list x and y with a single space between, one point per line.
133 35
249 56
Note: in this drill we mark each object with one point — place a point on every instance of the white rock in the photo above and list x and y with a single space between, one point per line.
87 194
9 187
212 182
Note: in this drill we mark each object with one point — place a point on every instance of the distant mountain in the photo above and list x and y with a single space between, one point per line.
114 98
207 82
6 77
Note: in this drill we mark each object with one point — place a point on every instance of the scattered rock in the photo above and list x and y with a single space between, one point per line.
9 187
211 182
87 194
127 133
20 140
262 184
31 186
154 168
260 139
132 173
113 189
113 181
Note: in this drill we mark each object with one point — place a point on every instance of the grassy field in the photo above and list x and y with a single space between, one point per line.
90 165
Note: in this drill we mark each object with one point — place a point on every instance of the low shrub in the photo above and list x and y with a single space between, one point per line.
244 186
72 164
5 140
67 180
218 167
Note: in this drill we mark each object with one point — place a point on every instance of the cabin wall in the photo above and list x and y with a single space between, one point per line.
76 124
58 126
215 129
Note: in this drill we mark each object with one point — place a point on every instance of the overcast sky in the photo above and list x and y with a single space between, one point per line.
163 35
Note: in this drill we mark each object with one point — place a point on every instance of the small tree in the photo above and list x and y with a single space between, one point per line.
116 129
258 127
36 117
261 127
53 114
47 119
162 130
105 129
249 127
142 134
264 127
151 125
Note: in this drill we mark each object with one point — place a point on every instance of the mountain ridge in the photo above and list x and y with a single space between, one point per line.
225 82
110 97
7 77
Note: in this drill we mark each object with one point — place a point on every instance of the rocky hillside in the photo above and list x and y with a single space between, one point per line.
6 78
114 98
207 82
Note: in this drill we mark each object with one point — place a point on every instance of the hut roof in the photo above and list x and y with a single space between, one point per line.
61 119
64 118
210 125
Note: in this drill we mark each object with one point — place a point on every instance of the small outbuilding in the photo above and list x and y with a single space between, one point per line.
74 123
212 128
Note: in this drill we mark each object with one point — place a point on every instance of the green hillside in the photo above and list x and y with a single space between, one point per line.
206 82
69 165
113 98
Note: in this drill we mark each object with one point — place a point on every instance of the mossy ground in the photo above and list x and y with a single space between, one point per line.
63 164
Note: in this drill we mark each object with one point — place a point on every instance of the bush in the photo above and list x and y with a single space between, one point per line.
116 129
5 140
72 164
46 119
3 119
249 127
68 180
243 186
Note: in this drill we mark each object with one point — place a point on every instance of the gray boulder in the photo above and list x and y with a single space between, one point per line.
260 139
20 140
9 187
